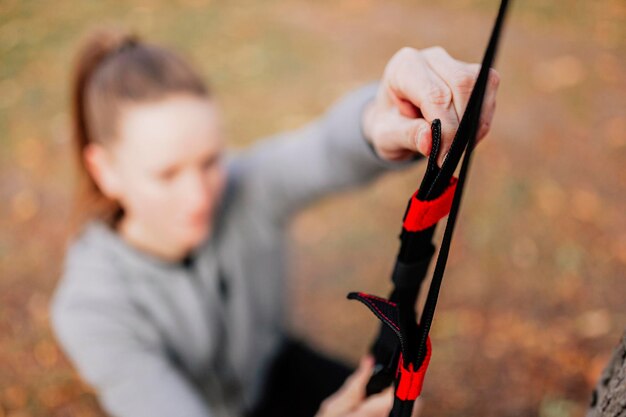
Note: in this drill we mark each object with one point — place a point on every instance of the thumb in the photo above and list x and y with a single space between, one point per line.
413 134
399 136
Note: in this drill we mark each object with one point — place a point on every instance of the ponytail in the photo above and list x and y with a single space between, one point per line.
113 67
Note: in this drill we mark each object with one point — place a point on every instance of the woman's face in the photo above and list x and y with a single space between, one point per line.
167 170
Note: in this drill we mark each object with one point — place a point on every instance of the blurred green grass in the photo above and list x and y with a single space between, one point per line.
533 298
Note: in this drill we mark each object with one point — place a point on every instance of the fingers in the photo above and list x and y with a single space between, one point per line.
489 104
377 405
418 87
411 78
394 136
351 393
458 76
354 386
350 399
461 78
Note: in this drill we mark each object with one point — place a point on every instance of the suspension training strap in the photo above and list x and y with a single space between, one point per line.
402 349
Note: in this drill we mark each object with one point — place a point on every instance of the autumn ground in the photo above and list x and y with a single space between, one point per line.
534 295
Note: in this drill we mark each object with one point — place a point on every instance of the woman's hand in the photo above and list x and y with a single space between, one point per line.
350 399
419 86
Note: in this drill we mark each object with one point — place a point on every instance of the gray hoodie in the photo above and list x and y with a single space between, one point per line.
161 339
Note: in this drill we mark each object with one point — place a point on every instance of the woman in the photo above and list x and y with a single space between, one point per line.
171 301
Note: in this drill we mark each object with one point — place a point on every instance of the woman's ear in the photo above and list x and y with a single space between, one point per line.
100 164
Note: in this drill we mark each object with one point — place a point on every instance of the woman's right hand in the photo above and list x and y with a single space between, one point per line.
350 399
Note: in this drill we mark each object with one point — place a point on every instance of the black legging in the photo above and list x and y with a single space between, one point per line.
300 378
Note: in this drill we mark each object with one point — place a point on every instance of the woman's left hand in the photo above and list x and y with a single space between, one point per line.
350 399
419 86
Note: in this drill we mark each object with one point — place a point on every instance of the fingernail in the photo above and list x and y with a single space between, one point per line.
420 136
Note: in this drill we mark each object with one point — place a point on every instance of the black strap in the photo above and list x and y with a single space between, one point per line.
466 136
400 335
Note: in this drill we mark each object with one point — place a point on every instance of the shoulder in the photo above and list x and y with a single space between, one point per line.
91 256
90 275
92 313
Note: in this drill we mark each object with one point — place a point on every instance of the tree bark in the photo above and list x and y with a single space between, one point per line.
609 396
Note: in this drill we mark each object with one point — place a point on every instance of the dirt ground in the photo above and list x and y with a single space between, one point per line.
534 297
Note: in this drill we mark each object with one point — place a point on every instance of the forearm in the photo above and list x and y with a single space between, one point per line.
353 117
333 152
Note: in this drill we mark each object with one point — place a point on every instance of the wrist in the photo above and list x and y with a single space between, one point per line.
366 122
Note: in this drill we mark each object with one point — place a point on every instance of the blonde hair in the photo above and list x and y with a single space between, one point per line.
114 67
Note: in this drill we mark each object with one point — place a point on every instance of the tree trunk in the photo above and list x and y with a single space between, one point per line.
609 396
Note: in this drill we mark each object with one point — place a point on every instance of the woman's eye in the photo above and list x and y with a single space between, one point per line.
210 162
167 174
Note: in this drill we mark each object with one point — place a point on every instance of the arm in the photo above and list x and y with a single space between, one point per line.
282 173
119 354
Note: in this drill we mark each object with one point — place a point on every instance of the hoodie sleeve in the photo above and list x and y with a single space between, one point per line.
284 172
116 351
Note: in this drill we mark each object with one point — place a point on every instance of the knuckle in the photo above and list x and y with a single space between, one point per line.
407 50
494 77
484 128
464 81
474 68
405 53
436 50
399 61
438 95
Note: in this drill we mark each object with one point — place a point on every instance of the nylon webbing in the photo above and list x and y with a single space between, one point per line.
402 347
468 128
